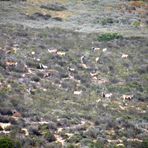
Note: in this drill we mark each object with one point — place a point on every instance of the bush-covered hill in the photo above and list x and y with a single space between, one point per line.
73 75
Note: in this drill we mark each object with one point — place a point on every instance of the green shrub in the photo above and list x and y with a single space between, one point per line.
108 36
71 146
75 138
136 24
144 143
6 142
49 136
107 21
96 145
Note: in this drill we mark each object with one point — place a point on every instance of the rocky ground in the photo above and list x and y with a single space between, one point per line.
73 73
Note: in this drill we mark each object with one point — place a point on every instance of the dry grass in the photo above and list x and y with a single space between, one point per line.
31 9
47 1
137 4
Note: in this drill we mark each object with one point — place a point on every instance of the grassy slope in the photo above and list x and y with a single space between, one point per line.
85 119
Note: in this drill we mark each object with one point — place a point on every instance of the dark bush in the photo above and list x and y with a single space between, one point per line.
5 111
96 145
6 142
109 36
49 136
144 143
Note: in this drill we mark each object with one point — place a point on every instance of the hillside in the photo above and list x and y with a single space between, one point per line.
73 73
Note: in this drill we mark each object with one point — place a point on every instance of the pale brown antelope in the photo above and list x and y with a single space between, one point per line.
94 74
109 95
33 52
82 62
42 66
97 59
124 56
12 50
71 69
82 59
11 63
104 49
127 97
25 131
5 125
52 50
95 49
77 92
60 53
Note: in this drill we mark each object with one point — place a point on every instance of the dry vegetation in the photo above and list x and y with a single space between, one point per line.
60 87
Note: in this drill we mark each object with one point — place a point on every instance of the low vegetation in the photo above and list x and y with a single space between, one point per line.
6 142
109 36
73 81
